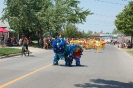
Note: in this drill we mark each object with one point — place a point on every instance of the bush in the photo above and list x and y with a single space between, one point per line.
33 38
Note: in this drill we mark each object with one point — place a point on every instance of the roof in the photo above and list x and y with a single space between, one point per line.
5 24
96 34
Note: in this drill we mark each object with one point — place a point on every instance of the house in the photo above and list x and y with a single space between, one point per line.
95 36
105 36
9 34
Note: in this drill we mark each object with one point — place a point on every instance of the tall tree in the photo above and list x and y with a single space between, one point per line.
124 20
116 31
89 32
44 15
67 11
71 31
25 16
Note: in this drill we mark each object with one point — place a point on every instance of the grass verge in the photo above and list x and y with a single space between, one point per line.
8 51
130 51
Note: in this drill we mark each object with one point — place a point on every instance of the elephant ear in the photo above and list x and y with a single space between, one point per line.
59 42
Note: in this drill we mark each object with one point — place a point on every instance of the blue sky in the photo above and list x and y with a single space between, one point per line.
104 14
103 17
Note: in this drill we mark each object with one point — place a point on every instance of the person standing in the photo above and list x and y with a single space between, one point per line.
2 40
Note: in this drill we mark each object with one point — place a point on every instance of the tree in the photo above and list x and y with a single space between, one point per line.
67 11
107 32
43 15
95 32
25 15
89 32
71 31
116 31
124 20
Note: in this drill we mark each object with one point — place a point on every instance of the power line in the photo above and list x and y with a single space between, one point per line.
109 2
101 24
103 15
98 21
127 0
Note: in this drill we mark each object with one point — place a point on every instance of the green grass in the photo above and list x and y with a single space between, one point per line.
7 51
130 51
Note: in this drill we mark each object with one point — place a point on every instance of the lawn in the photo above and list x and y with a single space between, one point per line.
130 51
7 51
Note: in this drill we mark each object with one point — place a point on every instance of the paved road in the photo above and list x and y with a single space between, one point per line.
111 68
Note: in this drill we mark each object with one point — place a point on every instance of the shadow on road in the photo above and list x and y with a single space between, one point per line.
73 65
32 56
101 83
98 52
29 56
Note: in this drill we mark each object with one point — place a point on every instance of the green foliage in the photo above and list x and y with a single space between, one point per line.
83 34
47 15
107 32
124 21
130 51
116 31
35 45
33 38
71 31
95 32
89 32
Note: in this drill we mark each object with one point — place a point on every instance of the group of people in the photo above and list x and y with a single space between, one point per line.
89 43
125 44
10 41
46 43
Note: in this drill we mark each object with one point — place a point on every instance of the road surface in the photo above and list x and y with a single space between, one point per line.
110 68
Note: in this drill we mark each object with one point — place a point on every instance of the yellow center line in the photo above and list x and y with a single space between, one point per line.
21 77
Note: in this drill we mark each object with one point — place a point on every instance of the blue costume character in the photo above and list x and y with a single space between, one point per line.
66 52
60 48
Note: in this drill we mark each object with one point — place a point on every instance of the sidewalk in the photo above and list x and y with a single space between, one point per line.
31 49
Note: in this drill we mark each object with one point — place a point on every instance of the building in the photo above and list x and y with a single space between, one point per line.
105 36
9 34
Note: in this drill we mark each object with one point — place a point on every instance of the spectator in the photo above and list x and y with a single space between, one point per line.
15 41
2 40
30 41
41 42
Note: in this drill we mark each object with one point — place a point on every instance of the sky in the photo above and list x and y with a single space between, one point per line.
105 12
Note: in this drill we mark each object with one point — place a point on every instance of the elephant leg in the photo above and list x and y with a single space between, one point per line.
68 61
77 61
56 59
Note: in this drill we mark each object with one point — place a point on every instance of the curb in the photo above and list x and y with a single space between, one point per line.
10 55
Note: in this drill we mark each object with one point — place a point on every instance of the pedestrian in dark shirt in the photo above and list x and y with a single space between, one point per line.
2 40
